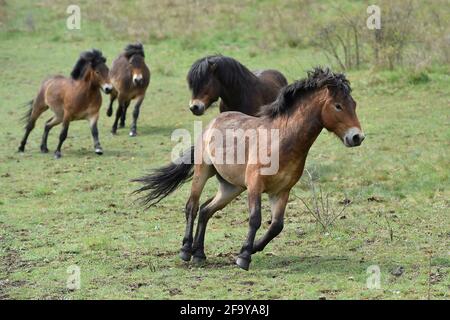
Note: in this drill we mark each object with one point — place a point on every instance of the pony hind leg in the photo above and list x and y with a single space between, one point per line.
278 207
62 137
226 193
37 107
52 122
254 203
201 174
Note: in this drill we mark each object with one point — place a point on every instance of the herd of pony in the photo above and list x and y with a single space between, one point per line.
248 100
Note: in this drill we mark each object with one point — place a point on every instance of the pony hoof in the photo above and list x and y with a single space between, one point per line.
198 260
114 131
122 125
58 155
243 263
185 256
133 134
99 151
109 112
21 149
44 150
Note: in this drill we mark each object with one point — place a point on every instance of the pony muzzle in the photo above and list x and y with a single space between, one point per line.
107 88
353 137
138 79
197 107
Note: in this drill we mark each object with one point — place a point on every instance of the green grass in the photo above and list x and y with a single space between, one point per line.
80 211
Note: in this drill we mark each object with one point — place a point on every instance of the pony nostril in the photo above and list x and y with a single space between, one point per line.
195 107
357 139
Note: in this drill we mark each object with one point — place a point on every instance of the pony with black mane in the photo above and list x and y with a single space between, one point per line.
74 98
130 77
301 111
239 89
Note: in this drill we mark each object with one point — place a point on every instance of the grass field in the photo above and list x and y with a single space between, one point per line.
79 210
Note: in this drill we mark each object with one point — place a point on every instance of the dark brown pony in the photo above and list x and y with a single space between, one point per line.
74 98
239 89
301 111
130 77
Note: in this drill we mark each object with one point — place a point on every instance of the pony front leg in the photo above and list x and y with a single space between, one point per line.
94 130
254 201
123 117
62 138
136 111
116 121
113 97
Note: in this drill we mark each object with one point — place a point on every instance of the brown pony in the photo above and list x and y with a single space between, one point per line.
239 89
301 111
75 98
130 77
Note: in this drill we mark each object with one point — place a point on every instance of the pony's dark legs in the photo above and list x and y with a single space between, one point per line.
36 111
62 138
137 109
113 97
201 175
254 201
116 121
227 192
94 131
28 128
123 116
123 105
48 126
278 207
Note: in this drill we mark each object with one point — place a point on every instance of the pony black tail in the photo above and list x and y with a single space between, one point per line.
163 181
26 117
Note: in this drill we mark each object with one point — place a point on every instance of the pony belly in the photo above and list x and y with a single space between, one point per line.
234 174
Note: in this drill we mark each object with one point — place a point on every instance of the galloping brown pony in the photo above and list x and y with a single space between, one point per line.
130 77
70 99
239 89
301 111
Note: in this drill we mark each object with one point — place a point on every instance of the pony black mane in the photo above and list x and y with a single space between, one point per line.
133 49
318 78
230 72
93 57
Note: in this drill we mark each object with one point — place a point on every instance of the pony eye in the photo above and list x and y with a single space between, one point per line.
338 107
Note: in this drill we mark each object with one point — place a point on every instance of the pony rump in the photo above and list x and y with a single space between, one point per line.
134 49
163 181
317 78
93 57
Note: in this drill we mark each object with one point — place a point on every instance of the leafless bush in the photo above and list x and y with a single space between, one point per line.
320 207
397 31
340 40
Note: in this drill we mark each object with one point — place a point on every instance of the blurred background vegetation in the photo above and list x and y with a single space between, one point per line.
414 34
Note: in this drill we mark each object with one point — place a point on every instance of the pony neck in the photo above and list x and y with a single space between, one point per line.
237 94
302 127
88 81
